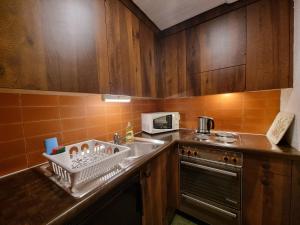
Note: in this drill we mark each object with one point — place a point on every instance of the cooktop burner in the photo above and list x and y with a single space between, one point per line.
219 137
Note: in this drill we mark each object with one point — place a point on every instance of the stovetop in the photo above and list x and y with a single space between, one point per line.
221 137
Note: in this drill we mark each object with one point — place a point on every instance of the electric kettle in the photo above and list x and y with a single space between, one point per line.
205 124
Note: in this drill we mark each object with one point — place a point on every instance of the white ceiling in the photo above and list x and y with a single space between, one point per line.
166 13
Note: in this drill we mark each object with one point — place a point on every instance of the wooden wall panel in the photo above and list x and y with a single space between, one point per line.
223 41
268 36
173 63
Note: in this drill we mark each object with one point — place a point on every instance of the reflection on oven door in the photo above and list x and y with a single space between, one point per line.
209 212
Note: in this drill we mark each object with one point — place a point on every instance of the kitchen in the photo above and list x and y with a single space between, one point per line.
208 88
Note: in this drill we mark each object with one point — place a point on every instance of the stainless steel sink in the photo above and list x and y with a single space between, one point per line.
143 146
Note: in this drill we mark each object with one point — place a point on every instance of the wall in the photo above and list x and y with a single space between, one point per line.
290 97
251 112
27 119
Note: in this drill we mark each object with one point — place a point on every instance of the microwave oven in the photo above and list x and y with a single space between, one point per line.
159 122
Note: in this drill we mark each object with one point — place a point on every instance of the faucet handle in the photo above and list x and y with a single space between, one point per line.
116 138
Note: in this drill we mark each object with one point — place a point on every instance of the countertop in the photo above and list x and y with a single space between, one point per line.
30 198
248 143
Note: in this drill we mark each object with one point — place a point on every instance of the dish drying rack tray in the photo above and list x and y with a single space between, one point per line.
84 161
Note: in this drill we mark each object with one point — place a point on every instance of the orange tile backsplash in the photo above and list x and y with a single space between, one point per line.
251 112
27 119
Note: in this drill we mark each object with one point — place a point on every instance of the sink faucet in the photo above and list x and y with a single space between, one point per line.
117 139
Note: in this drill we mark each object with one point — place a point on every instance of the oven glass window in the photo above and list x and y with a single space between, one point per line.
164 122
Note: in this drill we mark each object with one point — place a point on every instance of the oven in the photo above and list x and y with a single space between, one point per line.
210 184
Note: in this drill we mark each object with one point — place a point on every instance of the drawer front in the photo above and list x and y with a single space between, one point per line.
268 165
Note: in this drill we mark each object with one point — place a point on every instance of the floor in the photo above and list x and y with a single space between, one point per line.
180 220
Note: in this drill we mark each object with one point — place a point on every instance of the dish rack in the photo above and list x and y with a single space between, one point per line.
84 161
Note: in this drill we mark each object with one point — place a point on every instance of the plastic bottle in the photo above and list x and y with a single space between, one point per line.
129 133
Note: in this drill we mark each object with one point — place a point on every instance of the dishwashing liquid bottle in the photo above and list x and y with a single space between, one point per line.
129 133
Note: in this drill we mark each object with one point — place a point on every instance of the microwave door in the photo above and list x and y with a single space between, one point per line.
163 122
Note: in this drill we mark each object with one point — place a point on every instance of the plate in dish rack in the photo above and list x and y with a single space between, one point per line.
279 126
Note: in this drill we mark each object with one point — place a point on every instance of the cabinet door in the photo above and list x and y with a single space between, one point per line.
173 64
266 192
53 45
295 215
172 182
22 56
268 49
148 81
154 189
123 49
223 41
226 80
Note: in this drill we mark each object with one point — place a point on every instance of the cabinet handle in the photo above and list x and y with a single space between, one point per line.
211 169
209 206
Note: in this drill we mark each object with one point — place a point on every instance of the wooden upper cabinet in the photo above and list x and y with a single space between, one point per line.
266 191
22 55
123 49
148 81
173 64
53 45
216 55
268 45
222 41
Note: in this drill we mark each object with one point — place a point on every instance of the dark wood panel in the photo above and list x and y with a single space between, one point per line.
223 81
295 206
193 50
268 44
69 34
206 16
173 178
52 45
226 80
223 41
123 49
148 62
141 15
266 196
22 55
154 191
173 63
101 45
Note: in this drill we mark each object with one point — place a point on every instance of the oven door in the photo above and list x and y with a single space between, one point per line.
210 191
163 122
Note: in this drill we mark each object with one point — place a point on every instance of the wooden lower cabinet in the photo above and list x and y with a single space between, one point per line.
295 206
266 191
159 180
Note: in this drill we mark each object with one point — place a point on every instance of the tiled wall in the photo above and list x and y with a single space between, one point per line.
27 119
251 112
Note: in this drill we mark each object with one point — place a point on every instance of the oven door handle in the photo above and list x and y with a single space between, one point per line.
209 206
224 172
